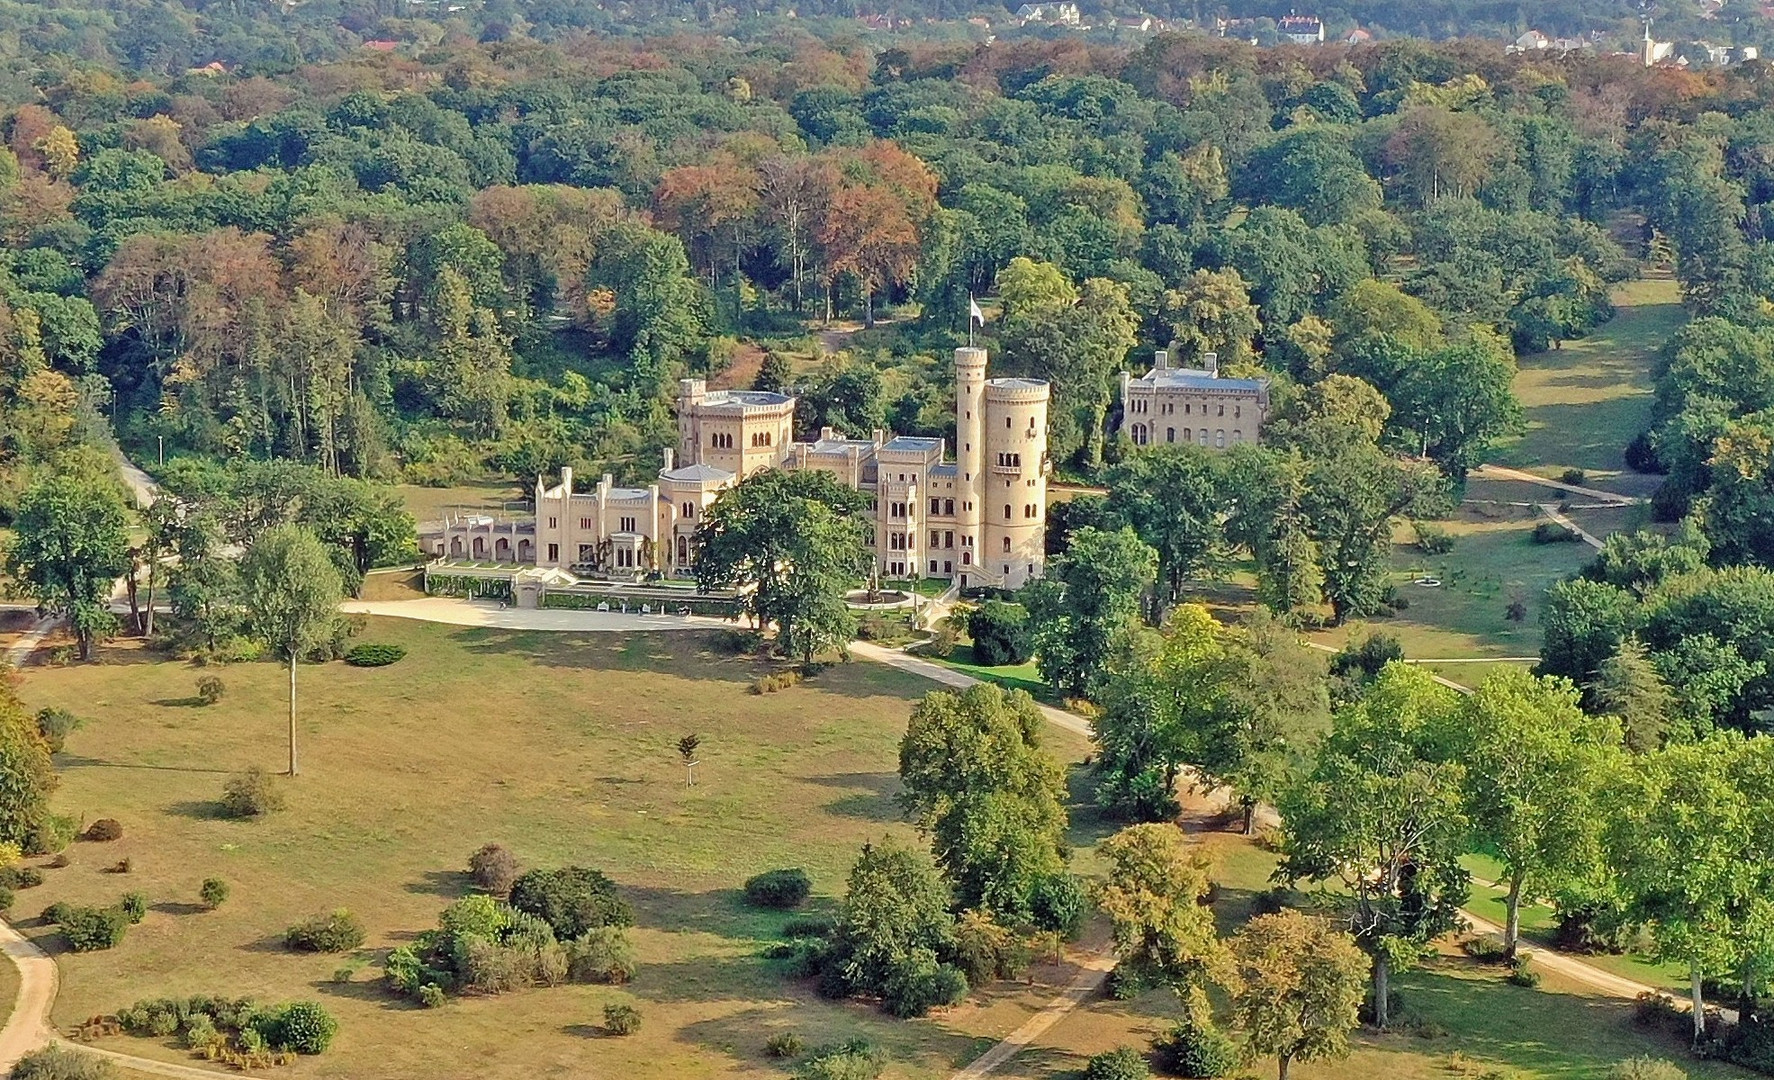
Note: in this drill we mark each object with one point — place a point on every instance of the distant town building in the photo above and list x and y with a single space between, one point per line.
980 519
1059 14
1192 405
1301 29
1357 36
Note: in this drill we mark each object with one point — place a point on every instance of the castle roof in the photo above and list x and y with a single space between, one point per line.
698 474
840 446
750 398
1191 379
912 444
1018 384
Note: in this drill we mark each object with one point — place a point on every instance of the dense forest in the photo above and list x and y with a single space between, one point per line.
499 256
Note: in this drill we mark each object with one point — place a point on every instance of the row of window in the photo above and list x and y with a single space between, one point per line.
1142 435
1010 461
1030 510
588 524
1143 406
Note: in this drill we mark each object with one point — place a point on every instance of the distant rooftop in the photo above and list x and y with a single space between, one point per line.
1018 384
706 474
1192 379
912 444
750 398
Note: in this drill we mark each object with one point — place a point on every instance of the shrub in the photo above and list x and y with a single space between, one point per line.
621 1019
1486 949
1645 1068
213 892
1653 1010
1123 1064
210 689
985 950
60 1063
7 896
302 1026
1196 1048
340 931
1522 973
50 834
103 830
134 906
56 912
918 982
374 654
779 888
55 725
785 1044
1059 903
571 900
251 794
200 1031
1551 532
1001 633
807 926
1432 539
782 680
1573 477
431 995
855 1060
493 868
601 955
89 929
20 877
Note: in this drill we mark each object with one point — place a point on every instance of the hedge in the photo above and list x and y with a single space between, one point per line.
468 586
668 605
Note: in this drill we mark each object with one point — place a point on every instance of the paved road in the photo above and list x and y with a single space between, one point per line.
1092 971
1551 511
1499 472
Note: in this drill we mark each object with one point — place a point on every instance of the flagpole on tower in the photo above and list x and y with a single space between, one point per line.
974 314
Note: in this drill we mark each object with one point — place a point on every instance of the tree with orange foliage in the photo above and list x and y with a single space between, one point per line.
711 207
869 234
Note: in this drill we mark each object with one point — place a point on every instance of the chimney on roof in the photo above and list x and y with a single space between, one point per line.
1161 360
880 437
1210 363
670 459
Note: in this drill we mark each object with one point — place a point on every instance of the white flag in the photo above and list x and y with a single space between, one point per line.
974 313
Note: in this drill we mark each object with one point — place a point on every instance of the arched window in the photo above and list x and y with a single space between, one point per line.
1219 437
1170 434
1007 543
1006 515
683 549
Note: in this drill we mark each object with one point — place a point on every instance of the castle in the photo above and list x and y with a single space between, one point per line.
980 520
1191 405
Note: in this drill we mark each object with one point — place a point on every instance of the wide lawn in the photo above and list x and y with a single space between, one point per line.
1494 562
560 746
1583 403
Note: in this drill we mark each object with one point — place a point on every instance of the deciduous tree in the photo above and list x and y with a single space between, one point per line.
1299 988
292 594
70 545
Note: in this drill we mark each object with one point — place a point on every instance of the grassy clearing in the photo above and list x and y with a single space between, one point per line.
482 497
1011 676
560 746
1494 561
1583 403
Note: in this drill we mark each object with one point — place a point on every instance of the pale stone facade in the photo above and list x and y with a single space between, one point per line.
980 519
1192 405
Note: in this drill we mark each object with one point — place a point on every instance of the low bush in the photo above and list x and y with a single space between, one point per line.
1123 1064
20 877
55 725
855 1060
374 654
210 689
50 834
252 793
1574 477
1432 539
785 1044
601 955
1645 1068
1522 972
213 892
103 830
1652 1010
7 897
431 995
493 868
807 926
571 900
88 929
340 931
1551 532
782 680
1486 948
61 1063
621 1019
1196 1048
779 888
304 1027
56 912
984 950
1001 633
919 982
134 907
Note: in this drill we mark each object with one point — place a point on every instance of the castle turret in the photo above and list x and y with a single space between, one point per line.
1013 497
970 416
